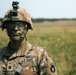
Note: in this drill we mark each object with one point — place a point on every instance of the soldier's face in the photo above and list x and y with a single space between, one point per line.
16 30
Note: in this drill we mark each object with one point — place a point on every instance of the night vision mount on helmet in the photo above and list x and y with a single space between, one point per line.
17 14
15 7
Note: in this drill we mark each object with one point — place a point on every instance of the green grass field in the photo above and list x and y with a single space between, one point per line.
58 38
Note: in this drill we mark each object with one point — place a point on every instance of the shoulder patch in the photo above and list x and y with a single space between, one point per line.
52 68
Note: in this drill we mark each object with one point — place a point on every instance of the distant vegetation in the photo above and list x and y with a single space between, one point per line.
48 19
1 19
53 19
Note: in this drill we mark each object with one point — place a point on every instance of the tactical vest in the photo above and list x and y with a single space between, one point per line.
22 65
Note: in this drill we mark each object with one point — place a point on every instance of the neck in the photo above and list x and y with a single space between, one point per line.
17 44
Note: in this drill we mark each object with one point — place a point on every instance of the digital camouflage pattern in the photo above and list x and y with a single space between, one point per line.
23 15
32 60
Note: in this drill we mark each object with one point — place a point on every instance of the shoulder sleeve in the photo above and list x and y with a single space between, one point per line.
51 68
46 64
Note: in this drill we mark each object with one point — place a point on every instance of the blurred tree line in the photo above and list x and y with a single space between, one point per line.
47 19
1 19
53 19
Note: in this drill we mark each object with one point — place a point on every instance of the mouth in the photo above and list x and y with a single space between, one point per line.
15 34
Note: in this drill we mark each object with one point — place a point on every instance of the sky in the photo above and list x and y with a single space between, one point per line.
43 8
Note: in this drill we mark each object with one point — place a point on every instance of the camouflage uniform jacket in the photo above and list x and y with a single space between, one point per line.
32 60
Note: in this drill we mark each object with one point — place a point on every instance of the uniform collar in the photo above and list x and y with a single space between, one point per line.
15 53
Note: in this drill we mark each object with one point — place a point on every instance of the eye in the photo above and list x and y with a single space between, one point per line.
22 24
9 25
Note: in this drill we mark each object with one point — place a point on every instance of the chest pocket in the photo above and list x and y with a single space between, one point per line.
11 68
26 65
7 69
29 66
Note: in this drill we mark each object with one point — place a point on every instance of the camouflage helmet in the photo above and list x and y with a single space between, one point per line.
23 16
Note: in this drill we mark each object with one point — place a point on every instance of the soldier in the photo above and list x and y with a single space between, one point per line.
20 57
